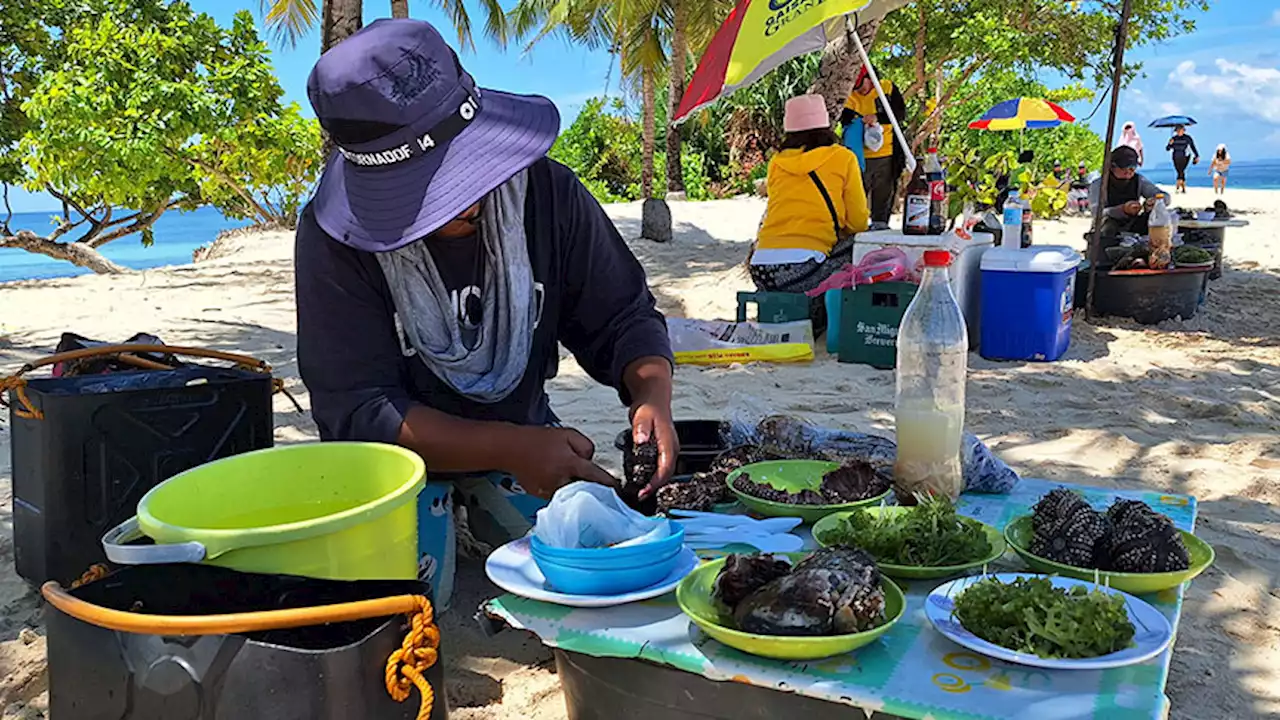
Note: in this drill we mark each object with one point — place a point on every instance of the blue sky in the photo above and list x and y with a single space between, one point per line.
1226 75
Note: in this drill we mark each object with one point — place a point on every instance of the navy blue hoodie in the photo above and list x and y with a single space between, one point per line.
595 301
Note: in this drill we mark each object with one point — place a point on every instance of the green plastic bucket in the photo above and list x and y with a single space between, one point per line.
338 511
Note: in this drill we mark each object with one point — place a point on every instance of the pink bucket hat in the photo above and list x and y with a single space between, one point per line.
806 112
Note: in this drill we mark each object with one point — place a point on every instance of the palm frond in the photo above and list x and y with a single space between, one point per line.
290 20
456 10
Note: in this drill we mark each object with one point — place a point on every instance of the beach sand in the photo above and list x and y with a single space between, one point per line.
1188 407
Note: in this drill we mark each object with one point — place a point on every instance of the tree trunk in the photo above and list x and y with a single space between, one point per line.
646 110
399 8
840 66
340 19
679 58
76 253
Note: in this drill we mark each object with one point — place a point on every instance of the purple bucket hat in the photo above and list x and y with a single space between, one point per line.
418 142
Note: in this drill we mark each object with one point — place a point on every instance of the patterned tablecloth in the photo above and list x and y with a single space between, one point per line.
911 672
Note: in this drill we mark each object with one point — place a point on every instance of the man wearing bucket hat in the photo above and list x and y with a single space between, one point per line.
440 264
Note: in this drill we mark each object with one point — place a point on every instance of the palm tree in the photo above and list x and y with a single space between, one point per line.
634 30
289 20
840 66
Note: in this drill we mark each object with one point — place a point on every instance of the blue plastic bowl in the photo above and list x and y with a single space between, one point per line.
612 558
602 581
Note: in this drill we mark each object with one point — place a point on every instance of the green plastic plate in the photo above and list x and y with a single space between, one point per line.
694 596
1020 531
915 572
794 476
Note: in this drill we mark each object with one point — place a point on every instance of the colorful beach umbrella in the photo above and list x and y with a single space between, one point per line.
1023 114
760 35
1169 121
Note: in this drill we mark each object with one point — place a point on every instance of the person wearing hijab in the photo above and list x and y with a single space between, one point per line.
1180 144
1218 168
1130 197
1129 137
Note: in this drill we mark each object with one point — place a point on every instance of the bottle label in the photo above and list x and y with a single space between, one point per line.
937 190
1012 214
917 212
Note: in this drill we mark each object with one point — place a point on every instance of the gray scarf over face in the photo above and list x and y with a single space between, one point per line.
491 369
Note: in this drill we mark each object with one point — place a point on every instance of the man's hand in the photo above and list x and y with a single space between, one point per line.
868 120
544 460
654 421
1133 207
649 382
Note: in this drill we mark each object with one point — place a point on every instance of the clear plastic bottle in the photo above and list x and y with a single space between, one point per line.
1161 227
1011 227
933 347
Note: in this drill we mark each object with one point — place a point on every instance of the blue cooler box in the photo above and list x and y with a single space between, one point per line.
1027 302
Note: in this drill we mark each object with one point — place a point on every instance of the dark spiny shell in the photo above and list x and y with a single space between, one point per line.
701 493
1071 539
746 485
734 458
813 601
1144 541
644 465
853 481
858 563
742 575
1056 505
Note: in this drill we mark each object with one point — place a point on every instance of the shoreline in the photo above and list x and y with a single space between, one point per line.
1188 407
232 241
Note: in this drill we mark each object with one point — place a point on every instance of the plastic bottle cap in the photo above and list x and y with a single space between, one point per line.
937 258
933 150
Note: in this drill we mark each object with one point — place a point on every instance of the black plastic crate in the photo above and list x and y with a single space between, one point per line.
105 440
321 672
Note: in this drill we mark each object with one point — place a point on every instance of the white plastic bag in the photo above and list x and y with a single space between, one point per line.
587 515
873 137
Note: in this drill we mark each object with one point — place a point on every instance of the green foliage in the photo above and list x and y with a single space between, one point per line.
602 148
1030 615
929 534
147 105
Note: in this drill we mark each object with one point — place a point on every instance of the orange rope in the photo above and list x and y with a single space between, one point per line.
128 353
407 666
405 669
96 572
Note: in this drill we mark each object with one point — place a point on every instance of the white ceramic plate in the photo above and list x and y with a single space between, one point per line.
1152 633
511 567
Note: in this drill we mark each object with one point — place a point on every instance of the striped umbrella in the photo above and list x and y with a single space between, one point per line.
760 35
1023 114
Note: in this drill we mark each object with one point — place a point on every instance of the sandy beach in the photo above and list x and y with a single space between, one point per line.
1188 407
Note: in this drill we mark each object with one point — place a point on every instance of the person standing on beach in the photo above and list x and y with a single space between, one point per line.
1129 137
1180 143
885 165
1219 168
440 263
1130 198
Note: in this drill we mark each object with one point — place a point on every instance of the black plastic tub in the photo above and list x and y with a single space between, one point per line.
617 689
1150 296
701 442
105 440
324 672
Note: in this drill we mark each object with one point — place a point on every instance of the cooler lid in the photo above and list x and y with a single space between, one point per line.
1036 259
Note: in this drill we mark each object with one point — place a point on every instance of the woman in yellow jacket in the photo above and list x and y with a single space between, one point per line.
816 204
